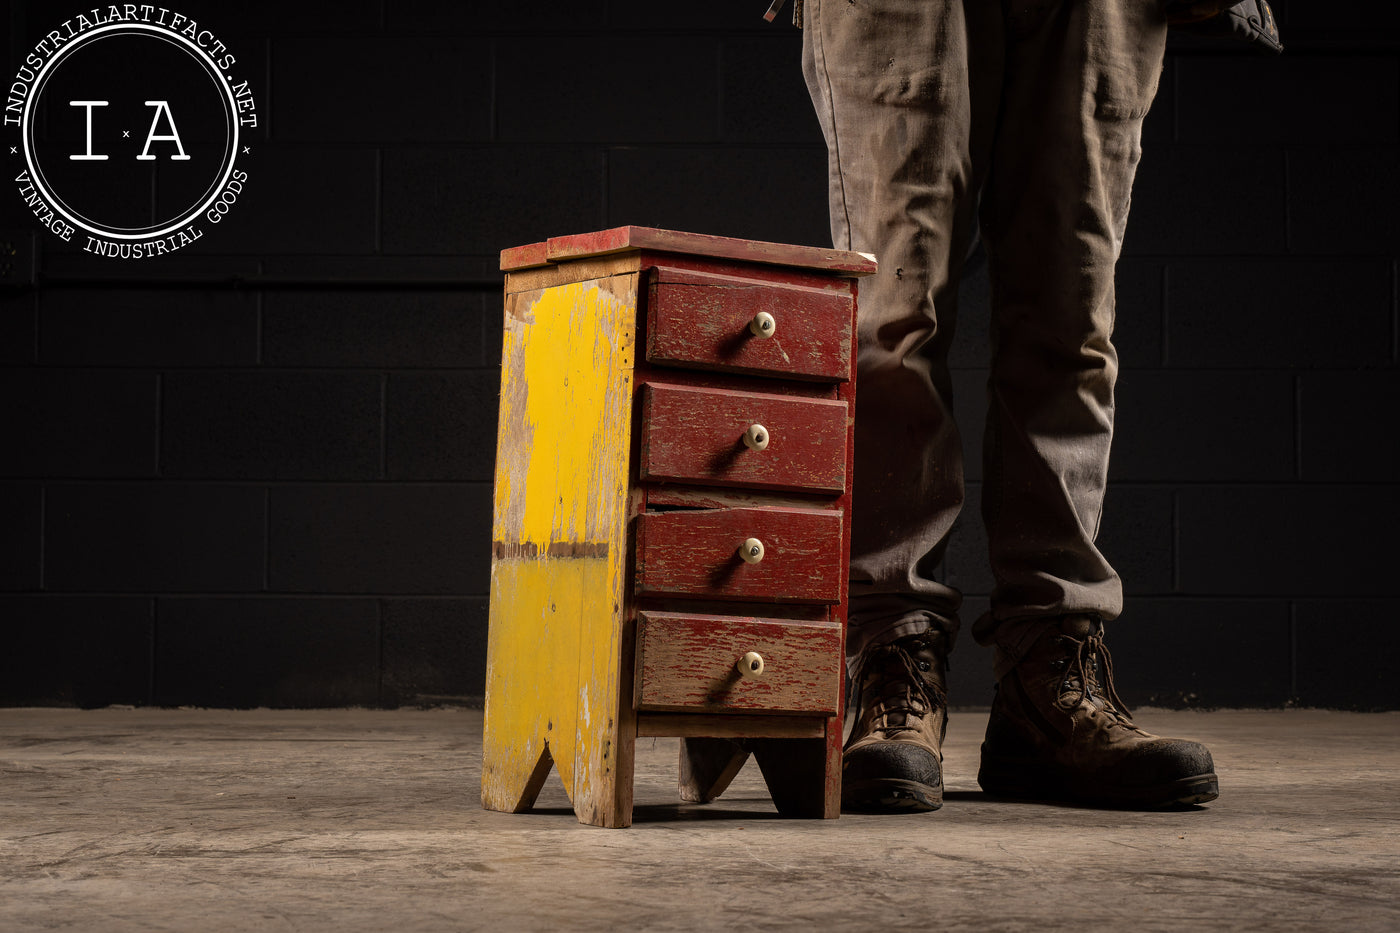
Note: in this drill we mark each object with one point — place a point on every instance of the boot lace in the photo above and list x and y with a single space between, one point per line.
899 687
1089 672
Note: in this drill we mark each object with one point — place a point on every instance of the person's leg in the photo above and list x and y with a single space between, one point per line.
892 84
1080 76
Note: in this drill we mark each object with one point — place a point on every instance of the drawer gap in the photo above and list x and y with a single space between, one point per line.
659 507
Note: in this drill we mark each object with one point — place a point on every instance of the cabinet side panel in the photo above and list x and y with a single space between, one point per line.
559 542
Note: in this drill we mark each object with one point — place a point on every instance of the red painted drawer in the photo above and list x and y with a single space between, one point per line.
702 319
689 662
696 552
697 435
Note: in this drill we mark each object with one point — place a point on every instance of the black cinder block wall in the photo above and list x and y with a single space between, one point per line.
258 472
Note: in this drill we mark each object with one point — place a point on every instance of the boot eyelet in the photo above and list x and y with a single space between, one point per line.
924 665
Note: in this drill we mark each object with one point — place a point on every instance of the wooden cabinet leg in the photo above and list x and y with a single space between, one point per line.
510 782
603 776
598 786
707 766
792 769
803 775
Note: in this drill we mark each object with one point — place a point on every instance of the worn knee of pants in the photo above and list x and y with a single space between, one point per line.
1026 117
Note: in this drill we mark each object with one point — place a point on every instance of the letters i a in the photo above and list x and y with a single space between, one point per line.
162 107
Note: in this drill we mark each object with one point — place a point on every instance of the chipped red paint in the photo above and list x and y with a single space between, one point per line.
698 319
696 553
687 662
696 434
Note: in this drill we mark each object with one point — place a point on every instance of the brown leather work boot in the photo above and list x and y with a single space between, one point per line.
1059 731
893 759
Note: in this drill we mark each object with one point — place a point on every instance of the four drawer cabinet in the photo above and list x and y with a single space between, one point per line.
671 528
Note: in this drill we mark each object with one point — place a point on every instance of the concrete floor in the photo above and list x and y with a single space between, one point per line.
363 820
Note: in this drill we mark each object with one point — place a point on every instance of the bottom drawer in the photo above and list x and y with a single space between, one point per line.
691 662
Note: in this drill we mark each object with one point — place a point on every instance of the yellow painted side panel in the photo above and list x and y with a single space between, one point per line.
532 701
556 649
565 384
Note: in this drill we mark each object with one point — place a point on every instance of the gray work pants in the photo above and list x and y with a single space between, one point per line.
1026 115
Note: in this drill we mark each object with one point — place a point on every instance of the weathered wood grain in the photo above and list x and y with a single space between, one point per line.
695 553
696 434
707 765
698 319
699 244
687 662
732 725
529 256
720 497
580 270
734 382
798 612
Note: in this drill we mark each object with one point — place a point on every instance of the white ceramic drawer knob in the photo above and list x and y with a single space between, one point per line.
751 550
763 324
756 437
750 665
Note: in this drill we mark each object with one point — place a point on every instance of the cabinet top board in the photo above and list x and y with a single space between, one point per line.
622 239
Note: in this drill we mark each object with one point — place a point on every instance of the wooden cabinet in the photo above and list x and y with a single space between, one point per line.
671 530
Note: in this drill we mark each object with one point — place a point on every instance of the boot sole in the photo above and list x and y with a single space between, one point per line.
1034 781
889 795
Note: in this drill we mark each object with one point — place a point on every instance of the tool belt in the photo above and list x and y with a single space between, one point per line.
1248 20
